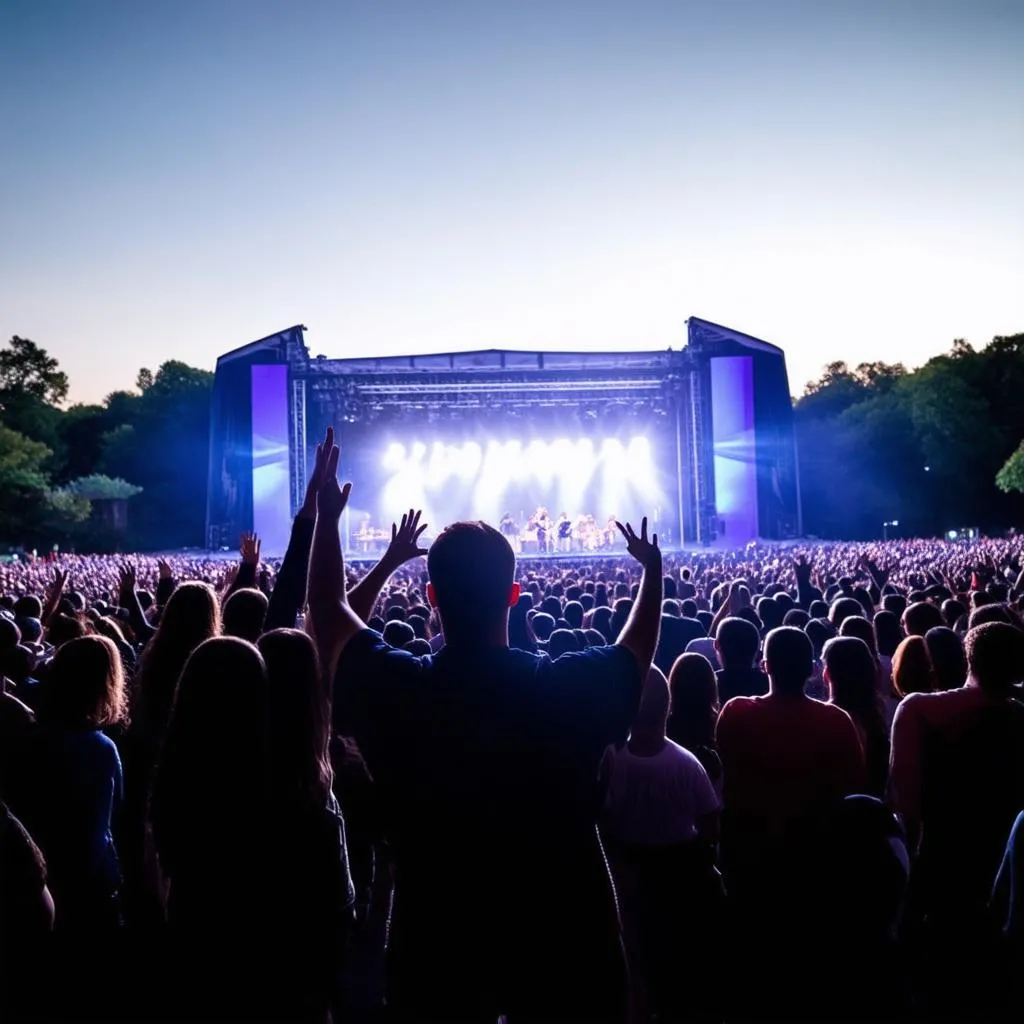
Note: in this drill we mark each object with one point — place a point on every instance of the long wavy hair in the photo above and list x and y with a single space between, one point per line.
694 709
212 777
85 685
300 717
191 617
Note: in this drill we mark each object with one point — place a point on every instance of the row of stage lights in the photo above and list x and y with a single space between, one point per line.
518 460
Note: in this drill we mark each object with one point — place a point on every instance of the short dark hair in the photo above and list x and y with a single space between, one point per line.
842 609
398 633
472 569
796 617
245 611
573 614
562 641
789 657
921 616
995 656
543 625
28 607
991 612
737 641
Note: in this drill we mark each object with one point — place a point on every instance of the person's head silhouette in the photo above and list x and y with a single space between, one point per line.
472 585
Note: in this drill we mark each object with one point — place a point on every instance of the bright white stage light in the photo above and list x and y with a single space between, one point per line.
394 457
535 461
639 448
419 449
465 461
437 465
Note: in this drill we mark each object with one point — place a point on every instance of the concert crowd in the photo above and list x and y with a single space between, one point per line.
785 782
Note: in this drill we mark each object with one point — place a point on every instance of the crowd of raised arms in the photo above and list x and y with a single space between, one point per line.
778 783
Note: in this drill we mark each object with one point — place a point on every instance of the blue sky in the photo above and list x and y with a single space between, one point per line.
179 178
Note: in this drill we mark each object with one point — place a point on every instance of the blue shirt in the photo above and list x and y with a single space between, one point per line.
77 788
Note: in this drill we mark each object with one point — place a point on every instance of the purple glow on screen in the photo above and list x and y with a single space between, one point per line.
271 504
732 420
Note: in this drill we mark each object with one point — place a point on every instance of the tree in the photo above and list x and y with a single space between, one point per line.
23 483
1011 476
162 444
24 366
879 376
98 487
144 380
837 389
64 514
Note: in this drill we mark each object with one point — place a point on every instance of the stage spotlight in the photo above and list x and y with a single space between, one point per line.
468 460
394 457
639 448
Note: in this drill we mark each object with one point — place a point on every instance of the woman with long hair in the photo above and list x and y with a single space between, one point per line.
313 890
693 712
949 662
851 673
191 616
76 786
217 835
912 670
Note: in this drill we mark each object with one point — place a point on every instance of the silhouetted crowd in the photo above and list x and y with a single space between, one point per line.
760 785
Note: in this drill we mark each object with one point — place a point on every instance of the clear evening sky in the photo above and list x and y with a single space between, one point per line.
179 178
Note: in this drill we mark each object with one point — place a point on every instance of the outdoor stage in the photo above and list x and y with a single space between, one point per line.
699 439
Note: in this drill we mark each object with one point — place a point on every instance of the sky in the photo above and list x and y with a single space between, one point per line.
178 178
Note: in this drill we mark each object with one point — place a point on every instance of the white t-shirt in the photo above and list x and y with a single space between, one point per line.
655 801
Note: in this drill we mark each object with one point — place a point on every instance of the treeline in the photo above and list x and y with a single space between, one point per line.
148 447
878 444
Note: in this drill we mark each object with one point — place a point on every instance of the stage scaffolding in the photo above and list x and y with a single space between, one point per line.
675 386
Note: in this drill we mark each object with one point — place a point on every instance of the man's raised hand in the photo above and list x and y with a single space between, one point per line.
331 496
802 569
645 551
126 579
249 548
404 546
308 510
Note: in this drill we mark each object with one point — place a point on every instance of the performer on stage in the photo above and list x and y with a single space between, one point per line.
543 530
564 531
510 531
610 532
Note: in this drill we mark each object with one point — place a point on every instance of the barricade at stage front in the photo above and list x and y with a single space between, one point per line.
549 447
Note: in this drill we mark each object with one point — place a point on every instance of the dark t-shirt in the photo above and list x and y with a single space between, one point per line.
487 765
676 633
751 682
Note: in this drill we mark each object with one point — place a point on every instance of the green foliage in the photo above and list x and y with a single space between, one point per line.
66 509
24 366
162 444
877 442
1011 476
97 487
23 482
